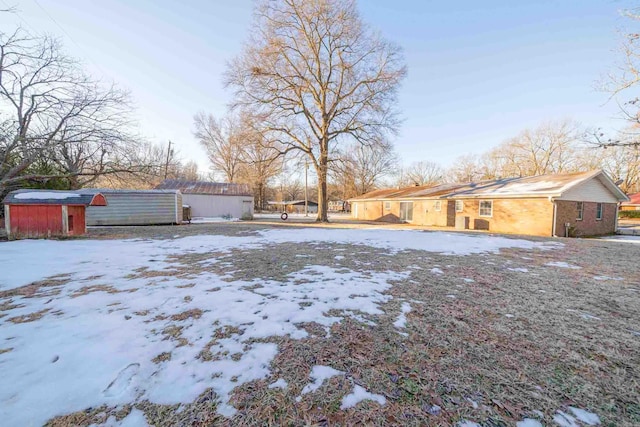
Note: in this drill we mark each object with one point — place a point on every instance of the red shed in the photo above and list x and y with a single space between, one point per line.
46 213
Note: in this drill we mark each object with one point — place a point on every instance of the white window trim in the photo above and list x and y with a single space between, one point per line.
437 206
601 211
461 204
580 217
480 209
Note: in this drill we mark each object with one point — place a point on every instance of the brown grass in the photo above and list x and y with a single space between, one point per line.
462 354
31 317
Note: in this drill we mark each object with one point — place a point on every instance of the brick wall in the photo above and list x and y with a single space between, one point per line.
567 212
520 216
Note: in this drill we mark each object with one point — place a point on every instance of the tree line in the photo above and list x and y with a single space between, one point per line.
314 88
61 128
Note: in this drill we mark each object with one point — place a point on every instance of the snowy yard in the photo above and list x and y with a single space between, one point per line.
237 324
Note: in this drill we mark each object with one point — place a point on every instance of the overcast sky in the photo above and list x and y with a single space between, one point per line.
479 71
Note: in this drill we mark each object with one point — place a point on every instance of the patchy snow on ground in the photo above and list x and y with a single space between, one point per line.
529 422
586 417
124 324
401 322
436 270
281 383
607 278
319 374
562 264
566 420
211 220
519 269
358 395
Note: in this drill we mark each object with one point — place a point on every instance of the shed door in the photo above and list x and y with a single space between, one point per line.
76 220
246 208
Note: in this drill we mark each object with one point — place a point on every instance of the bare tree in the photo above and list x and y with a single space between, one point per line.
260 163
52 111
550 148
424 173
316 76
223 141
464 169
361 168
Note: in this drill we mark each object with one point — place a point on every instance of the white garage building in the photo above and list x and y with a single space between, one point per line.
213 199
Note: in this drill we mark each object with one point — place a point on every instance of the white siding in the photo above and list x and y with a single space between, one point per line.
591 191
214 206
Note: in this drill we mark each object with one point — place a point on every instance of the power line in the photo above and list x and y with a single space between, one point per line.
14 10
86 54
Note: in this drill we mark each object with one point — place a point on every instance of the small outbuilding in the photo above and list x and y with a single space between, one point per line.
136 207
213 199
574 204
48 213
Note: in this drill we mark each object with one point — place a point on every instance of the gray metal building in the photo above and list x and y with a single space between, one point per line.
213 199
136 207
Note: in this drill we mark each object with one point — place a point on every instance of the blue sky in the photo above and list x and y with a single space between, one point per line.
479 72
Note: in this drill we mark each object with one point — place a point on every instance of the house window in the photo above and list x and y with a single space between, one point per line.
580 207
437 206
459 205
486 208
598 211
387 206
406 211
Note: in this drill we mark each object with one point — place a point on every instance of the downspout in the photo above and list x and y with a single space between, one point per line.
555 209
615 230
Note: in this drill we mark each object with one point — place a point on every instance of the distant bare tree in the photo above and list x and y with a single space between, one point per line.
260 162
424 173
465 169
317 77
224 142
51 112
362 167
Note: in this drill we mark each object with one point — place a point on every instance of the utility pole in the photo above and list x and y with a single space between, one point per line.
166 165
306 201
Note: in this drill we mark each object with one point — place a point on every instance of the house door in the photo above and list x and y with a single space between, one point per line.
406 211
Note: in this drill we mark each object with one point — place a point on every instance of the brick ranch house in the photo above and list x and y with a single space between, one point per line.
576 204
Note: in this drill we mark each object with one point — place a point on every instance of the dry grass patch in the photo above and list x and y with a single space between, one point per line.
162 357
39 289
195 313
98 288
5 350
31 317
90 416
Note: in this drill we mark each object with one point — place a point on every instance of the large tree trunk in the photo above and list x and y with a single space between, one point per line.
322 188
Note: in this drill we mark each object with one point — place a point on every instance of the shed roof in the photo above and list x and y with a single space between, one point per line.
54 197
423 191
205 187
552 185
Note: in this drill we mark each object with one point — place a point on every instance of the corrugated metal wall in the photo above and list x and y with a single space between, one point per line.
213 206
137 208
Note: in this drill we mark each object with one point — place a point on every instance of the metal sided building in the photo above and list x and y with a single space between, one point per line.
213 199
137 207
48 213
